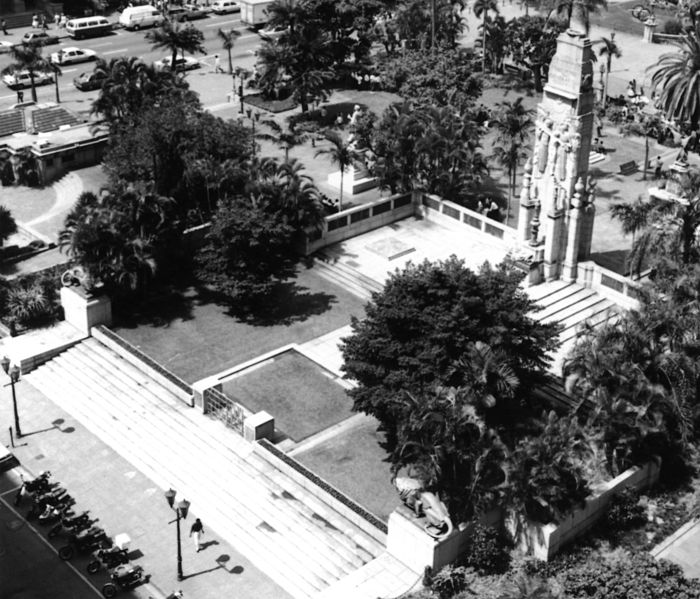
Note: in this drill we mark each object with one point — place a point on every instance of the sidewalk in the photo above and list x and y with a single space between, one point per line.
125 500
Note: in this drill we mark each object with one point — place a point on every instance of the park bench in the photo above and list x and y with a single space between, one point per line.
627 168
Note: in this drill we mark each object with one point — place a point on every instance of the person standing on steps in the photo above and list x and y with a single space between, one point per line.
196 532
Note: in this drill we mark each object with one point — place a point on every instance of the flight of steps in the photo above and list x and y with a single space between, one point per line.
296 538
334 270
572 306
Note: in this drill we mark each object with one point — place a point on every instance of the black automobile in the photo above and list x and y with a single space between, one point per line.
87 82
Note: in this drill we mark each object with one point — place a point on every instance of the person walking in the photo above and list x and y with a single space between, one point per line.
3 26
20 96
35 21
217 64
196 532
57 20
659 168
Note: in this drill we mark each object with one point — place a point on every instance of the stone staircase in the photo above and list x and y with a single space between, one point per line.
572 306
291 534
332 269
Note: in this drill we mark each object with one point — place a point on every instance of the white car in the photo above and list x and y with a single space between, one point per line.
272 34
21 79
73 56
5 47
181 64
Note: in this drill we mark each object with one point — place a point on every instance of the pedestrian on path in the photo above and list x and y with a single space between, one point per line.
196 533
659 168
35 21
217 64
3 26
57 19
20 96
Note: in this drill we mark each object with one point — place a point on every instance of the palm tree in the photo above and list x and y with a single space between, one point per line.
175 39
513 124
481 10
647 125
609 49
8 226
340 153
633 216
676 76
228 39
284 138
284 13
27 57
56 74
578 11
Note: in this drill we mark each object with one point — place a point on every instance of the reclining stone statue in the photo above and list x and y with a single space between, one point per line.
424 503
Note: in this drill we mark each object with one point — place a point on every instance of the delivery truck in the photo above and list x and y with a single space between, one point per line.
254 12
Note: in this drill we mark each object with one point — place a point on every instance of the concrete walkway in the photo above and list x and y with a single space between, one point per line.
682 548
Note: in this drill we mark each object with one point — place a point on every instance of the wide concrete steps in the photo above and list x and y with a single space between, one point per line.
335 271
292 535
573 307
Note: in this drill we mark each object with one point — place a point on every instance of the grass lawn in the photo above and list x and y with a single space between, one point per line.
618 17
296 391
353 462
195 337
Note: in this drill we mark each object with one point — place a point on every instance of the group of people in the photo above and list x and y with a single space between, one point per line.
39 21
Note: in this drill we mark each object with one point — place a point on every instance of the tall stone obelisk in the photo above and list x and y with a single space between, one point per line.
558 190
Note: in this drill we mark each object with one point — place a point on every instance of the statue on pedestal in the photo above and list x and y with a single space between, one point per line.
424 503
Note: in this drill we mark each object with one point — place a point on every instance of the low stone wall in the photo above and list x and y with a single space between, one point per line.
617 288
137 358
544 540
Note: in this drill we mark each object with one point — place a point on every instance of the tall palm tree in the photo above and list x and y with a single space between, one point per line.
177 39
340 153
285 13
228 39
514 124
633 216
646 125
28 57
609 49
676 77
481 10
578 12
284 138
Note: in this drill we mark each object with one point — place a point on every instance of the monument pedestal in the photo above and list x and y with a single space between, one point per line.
355 180
85 310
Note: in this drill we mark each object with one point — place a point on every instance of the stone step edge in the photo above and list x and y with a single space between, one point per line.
343 281
340 555
106 433
323 501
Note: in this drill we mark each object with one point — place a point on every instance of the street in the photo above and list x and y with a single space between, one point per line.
212 88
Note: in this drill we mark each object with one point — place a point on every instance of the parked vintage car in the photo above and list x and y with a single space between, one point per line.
186 63
73 56
39 37
86 82
188 12
21 79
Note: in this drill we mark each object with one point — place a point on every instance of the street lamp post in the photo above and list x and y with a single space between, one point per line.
180 512
13 373
254 117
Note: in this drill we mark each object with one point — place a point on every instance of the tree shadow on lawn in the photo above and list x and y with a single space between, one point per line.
288 303
157 310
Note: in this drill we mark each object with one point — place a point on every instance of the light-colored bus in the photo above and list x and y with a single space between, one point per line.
88 27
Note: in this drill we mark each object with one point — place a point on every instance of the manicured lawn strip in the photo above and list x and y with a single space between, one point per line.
354 462
194 337
295 391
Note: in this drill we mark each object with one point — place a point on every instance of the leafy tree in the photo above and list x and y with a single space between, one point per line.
577 10
676 78
429 317
547 477
228 40
251 242
120 237
514 124
8 226
132 86
176 40
341 153
481 10
497 42
532 43
284 138
433 79
610 50
27 57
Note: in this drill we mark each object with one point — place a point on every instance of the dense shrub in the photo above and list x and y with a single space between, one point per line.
487 552
673 27
451 580
327 115
32 299
637 576
624 512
